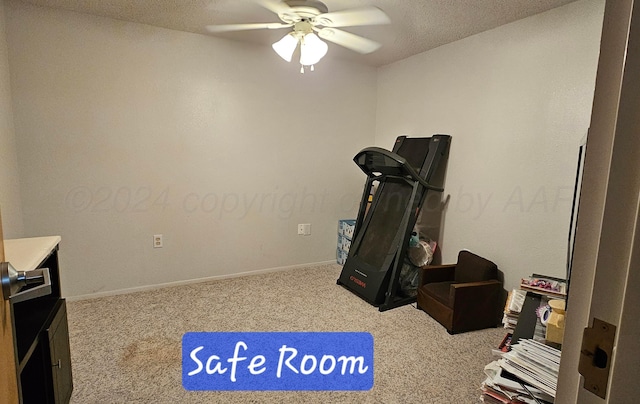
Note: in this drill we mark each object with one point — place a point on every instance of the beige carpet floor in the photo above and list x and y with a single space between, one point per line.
127 348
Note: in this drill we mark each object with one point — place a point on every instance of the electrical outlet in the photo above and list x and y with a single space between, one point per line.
157 241
304 229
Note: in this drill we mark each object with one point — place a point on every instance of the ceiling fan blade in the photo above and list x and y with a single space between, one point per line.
275 6
353 17
348 40
243 27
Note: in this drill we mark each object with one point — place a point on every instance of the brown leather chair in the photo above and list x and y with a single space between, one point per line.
465 296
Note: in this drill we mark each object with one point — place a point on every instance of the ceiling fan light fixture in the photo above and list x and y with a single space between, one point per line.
309 16
312 49
286 46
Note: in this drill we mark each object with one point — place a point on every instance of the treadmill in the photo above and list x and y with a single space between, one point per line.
387 215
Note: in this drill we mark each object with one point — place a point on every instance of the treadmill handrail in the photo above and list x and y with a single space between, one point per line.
408 171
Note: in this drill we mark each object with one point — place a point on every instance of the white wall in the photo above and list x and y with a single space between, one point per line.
126 130
516 101
10 203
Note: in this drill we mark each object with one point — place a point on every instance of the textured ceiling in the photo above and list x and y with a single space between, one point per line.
416 25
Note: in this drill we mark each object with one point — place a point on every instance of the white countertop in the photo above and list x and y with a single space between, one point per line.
25 254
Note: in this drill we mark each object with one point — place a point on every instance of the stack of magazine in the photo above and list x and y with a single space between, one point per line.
545 285
512 309
526 374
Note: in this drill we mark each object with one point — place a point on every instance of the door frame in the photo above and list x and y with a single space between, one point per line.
8 373
607 245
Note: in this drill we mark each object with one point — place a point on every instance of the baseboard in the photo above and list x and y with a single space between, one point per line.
192 281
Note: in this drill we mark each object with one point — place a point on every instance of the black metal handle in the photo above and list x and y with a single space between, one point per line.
372 160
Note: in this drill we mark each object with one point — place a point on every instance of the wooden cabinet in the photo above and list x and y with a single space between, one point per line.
57 340
41 333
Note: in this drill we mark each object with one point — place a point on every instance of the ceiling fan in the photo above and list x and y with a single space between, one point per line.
308 17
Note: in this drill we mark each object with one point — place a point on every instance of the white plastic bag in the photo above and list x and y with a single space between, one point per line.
421 254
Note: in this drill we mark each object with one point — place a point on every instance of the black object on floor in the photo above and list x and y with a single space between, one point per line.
385 223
